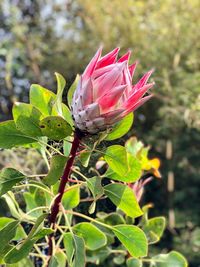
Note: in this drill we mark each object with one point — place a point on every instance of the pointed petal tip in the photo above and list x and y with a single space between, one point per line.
151 71
125 57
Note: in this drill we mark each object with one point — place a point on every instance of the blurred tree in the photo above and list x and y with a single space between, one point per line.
41 37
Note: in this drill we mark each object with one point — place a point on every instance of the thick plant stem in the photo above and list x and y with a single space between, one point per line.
64 179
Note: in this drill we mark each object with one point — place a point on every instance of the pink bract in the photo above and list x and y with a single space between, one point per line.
105 93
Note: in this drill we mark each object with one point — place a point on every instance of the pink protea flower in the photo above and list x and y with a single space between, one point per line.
105 93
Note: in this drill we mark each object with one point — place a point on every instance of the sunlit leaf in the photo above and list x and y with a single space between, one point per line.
58 259
31 204
126 166
71 198
172 259
74 246
27 118
94 238
10 136
72 90
94 184
13 206
123 197
133 146
8 178
57 165
154 229
19 252
60 87
7 233
42 99
114 219
85 158
55 127
24 262
133 238
121 128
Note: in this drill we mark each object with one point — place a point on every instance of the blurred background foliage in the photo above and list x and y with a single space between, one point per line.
38 38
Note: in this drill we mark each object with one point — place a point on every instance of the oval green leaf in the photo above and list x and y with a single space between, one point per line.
121 128
133 238
8 178
57 165
10 136
127 167
172 259
93 237
27 118
123 197
71 198
55 127
154 229
42 99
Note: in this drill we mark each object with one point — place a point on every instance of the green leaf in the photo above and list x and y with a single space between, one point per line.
114 219
172 259
67 144
154 229
55 127
131 262
123 197
71 198
42 233
121 128
79 259
117 159
22 250
58 259
69 247
133 238
19 252
57 165
20 234
74 246
127 167
42 99
13 206
27 118
7 233
94 238
60 87
67 114
4 251
31 204
72 90
94 184
36 227
8 178
98 256
24 262
133 146
85 158
10 136
119 259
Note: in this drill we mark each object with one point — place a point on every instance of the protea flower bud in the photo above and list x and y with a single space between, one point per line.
105 93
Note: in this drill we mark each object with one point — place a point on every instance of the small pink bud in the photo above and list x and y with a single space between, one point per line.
105 93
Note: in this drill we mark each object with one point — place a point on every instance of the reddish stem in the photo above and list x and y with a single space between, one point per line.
64 179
